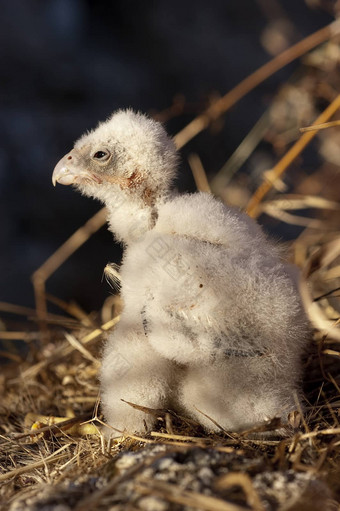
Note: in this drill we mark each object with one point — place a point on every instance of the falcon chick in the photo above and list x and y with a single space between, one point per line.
212 319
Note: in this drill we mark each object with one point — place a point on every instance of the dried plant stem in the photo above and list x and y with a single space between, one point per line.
98 331
16 309
324 256
299 201
174 493
180 437
10 356
71 308
41 307
199 174
78 346
289 157
244 481
28 468
32 314
19 335
318 127
245 86
70 246
75 241
241 153
329 431
66 349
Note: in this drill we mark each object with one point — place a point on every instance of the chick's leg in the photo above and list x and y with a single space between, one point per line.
236 394
134 372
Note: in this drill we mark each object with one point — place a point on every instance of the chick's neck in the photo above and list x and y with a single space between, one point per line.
130 217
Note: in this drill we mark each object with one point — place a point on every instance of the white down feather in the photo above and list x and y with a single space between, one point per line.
212 320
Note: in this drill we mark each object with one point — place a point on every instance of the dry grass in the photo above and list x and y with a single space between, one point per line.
50 427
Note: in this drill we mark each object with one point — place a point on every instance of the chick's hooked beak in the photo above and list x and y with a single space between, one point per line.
68 171
63 172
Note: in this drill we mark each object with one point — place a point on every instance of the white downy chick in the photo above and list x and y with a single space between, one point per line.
212 319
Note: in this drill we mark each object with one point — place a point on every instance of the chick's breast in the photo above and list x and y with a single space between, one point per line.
211 294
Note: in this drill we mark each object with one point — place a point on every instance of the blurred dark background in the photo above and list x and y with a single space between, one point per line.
65 64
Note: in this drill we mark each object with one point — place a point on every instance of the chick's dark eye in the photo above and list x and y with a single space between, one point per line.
99 155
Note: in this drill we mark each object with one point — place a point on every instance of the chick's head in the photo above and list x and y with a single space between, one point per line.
129 152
